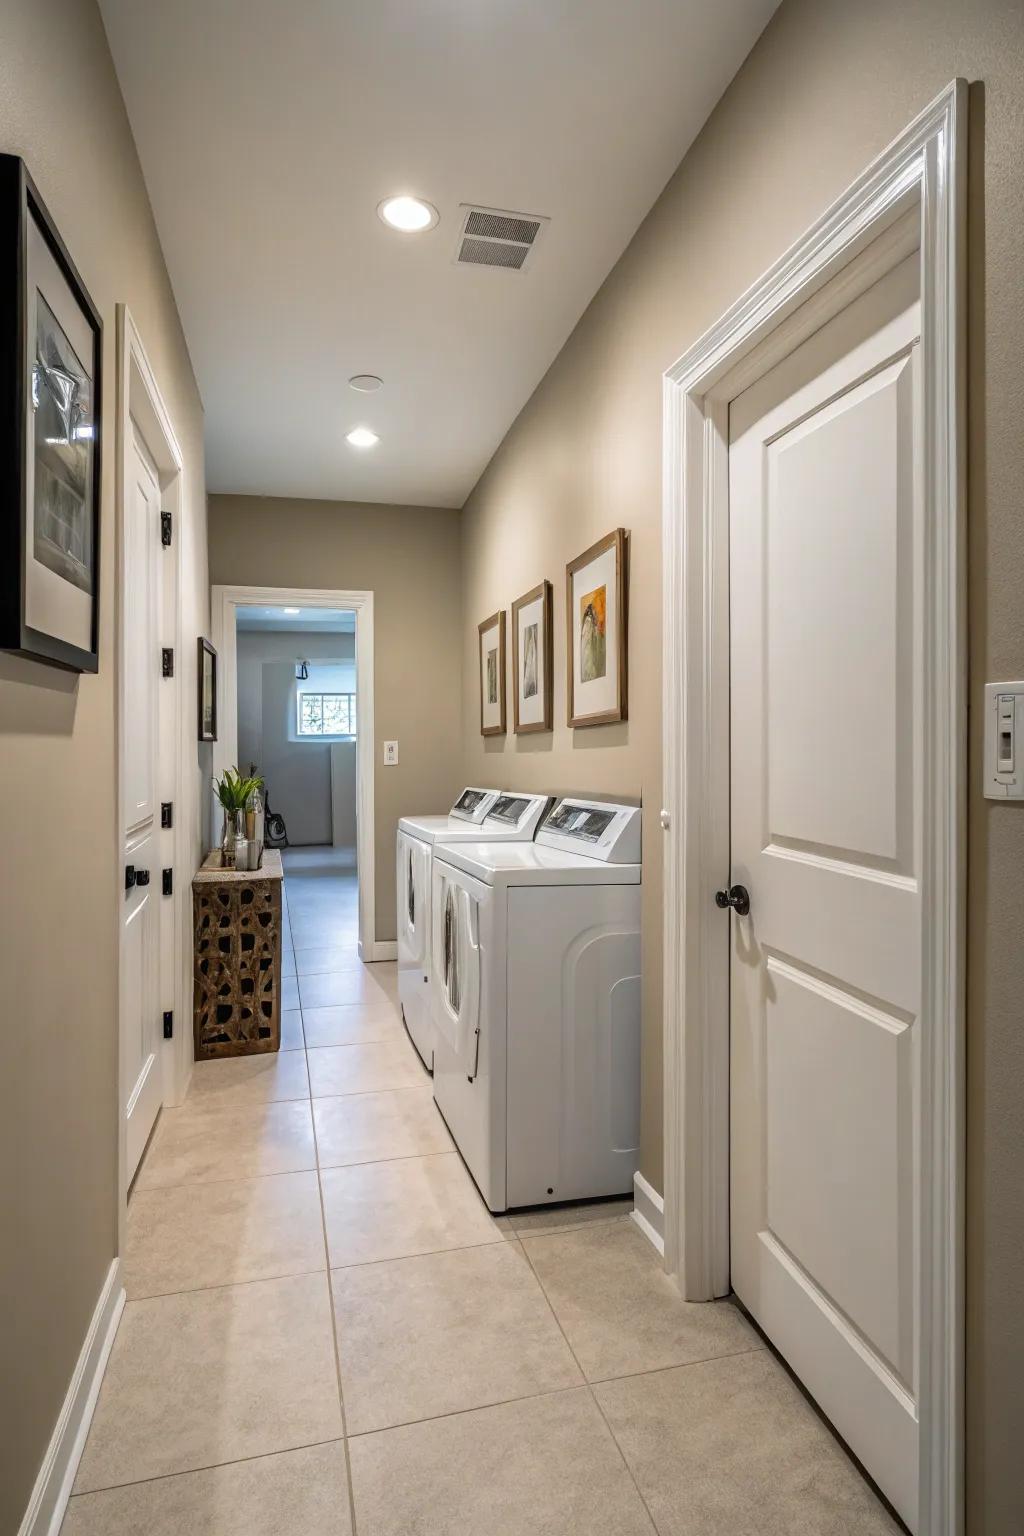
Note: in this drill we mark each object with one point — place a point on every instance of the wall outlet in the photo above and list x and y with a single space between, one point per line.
390 754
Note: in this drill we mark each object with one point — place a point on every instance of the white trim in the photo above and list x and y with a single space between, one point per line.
649 1212
139 398
49 1500
224 601
384 949
922 172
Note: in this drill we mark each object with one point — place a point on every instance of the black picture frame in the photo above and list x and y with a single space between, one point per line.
22 211
204 652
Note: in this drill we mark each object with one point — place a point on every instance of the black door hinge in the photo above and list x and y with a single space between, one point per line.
165 529
168 1025
129 877
166 813
168 882
167 661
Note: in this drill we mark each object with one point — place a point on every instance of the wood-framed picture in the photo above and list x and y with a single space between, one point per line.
532 661
596 603
492 675
51 352
206 673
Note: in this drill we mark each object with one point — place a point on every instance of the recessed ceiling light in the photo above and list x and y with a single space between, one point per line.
362 437
366 383
293 610
408 214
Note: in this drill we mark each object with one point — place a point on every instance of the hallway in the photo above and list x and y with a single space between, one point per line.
322 1314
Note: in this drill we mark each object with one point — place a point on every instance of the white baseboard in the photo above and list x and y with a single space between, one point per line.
649 1212
56 1478
383 949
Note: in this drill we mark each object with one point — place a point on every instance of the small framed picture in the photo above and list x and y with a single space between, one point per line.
492 675
532 688
596 623
51 350
207 676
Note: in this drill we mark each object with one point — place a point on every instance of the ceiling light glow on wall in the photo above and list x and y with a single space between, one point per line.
362 437
410 215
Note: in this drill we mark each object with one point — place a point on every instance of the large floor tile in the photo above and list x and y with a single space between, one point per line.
351 1024
327 988
302 1491
338 957
546 1466
444 1332
732 1446
364 1068
243 1080
371 1127
566 1218
221 1234
196 1146
287 956
289 993
621 1312
292 1038
213 1376
392 1210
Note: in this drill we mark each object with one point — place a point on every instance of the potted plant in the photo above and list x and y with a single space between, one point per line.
235 794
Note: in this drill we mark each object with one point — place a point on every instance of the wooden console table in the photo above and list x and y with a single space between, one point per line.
237 958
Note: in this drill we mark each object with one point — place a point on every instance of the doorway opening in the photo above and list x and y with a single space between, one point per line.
296 704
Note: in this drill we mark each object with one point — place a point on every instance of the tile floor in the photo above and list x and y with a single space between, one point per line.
327 1332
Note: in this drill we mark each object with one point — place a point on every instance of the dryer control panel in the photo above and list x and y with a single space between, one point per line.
519 813
595 828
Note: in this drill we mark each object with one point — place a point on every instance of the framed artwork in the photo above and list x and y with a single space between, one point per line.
492 675
51 349
207 690
532 687
595 612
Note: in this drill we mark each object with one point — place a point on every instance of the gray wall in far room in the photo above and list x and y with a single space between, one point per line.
298 774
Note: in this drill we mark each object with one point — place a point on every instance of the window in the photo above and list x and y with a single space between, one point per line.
326 714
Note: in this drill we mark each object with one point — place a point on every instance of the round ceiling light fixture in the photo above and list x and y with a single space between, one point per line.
362 437
292 610
410 215
366 383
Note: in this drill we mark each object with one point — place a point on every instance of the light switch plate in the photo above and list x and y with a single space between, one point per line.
1004 741
390 754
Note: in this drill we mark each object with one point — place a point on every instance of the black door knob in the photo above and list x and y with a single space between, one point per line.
142 877
129 877
737 897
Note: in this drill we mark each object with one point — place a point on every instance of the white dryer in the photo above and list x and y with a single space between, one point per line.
495 814
536 1006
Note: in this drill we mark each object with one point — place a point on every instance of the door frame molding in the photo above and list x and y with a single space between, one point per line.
225 599
139 399
912 196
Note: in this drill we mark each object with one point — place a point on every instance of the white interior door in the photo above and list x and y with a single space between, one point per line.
141 1018
826 666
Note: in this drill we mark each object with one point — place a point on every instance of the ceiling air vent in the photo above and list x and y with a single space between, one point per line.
490 238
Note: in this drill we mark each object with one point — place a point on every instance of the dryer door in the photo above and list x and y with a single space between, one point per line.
413 902
455 971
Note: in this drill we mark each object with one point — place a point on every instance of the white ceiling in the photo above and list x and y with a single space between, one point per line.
333 620
269 132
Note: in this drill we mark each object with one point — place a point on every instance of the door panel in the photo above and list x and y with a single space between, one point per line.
825 540
141 1032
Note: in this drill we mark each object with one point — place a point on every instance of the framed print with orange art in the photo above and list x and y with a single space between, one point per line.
596 631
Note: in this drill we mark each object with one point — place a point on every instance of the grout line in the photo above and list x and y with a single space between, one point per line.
459 1413
590 1390
212 1466
330 1300
223 1285
430 1253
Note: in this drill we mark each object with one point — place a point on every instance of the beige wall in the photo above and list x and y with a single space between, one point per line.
61 109
829 84
409 558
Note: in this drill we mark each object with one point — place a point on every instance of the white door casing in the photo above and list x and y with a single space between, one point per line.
920 180
825 542
224 601
154 968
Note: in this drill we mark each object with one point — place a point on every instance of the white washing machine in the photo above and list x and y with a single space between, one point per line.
536 1005
498 815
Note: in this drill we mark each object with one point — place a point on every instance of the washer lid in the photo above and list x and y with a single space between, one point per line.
517 863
